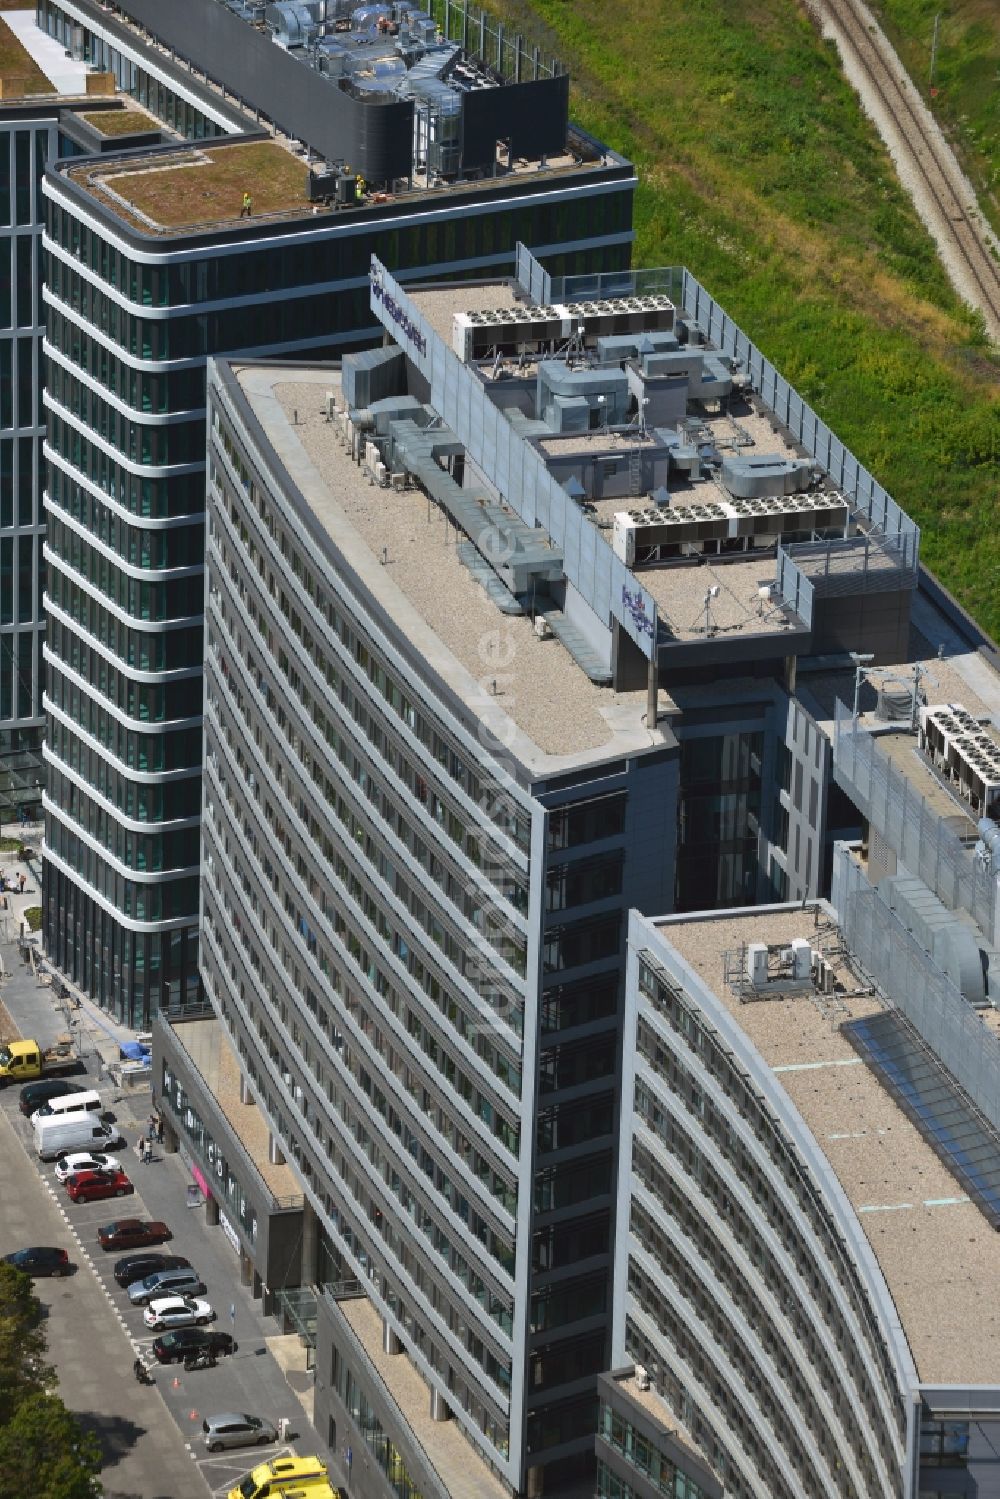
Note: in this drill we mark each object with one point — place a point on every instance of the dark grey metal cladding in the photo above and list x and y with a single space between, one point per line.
533 117
375 138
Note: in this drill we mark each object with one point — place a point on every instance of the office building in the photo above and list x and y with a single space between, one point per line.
153 263
502 622
48 105
808 1238
806 1230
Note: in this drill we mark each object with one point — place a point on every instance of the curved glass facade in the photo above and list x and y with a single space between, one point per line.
25 146
386 1010
744 1303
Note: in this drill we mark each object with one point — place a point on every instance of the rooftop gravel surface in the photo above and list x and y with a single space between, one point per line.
938 1254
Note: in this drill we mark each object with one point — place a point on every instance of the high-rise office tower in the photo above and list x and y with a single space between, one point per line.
397 139
501 625
43 93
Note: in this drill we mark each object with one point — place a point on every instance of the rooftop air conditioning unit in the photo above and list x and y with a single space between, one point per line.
801 958
757 964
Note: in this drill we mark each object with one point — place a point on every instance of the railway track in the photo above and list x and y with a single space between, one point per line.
929 156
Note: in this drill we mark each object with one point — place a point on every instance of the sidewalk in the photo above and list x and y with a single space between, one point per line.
13 904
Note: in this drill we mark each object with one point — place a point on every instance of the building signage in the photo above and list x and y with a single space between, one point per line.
230 1232
634 605
201 1179
404 324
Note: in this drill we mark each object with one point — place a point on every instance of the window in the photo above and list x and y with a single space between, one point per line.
586 822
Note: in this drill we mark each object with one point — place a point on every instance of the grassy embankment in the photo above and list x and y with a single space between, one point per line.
759 172
966 77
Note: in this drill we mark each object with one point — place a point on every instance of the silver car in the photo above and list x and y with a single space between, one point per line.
234 1430
165 1283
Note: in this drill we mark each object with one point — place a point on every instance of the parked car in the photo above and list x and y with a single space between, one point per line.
173 1347
59 1135
34 1095
133 1233
85 1160
233 1430
41 1259
135 1267
92 1186
181 1282
177 1311
71 1106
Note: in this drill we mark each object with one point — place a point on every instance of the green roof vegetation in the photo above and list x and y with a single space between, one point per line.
207 186
17 65
966 79
759 172
120 121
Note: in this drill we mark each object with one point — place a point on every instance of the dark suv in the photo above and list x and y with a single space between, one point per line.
173 1347
137 1266
34 1095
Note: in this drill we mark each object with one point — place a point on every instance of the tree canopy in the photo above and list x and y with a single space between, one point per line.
23 1370
44 1451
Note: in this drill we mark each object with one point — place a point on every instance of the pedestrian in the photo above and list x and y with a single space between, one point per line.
22 879
146 1150
151 1129
247 210
159 1130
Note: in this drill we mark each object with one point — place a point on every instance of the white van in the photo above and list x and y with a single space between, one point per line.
86 1102
56 1136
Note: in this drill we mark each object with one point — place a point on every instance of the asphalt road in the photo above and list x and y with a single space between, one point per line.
151 1435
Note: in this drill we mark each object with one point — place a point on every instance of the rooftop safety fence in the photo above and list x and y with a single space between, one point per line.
915 985
932 847
885 519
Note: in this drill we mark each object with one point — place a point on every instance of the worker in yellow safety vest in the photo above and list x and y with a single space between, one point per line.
247 210
359 189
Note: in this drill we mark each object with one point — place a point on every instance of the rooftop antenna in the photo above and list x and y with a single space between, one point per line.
920 673
709 625
765 597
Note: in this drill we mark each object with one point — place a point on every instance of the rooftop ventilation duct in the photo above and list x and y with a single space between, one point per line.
293 24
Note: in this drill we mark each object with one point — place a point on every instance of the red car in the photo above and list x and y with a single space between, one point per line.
132 1233
91 1186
